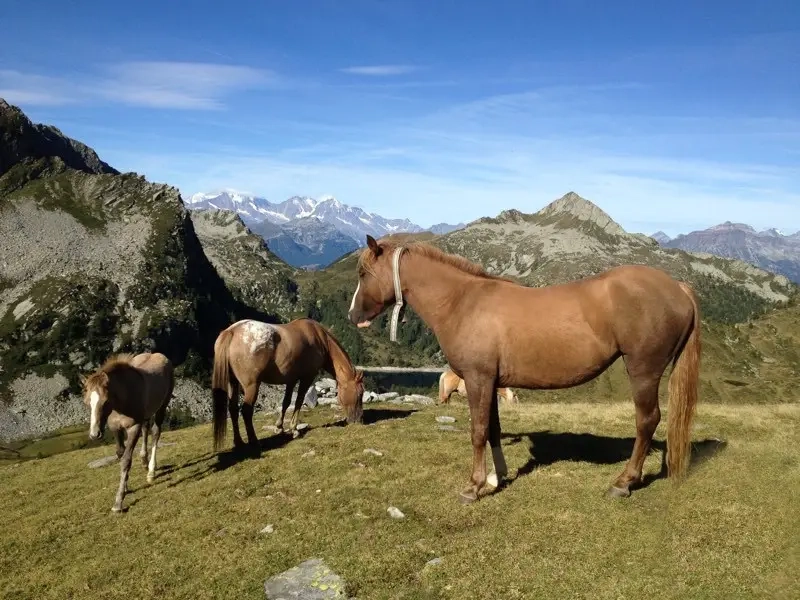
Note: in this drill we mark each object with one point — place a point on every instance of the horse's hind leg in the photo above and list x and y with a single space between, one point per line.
125 465
648 415
500 467
302 388
143 451
233 409
287 400
248 407
158 420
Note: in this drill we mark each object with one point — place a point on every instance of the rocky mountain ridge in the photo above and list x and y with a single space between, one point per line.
770 249
93 262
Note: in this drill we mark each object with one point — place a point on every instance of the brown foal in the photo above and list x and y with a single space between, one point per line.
495 332
130 394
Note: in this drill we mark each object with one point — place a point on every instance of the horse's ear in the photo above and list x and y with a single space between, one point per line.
82 379
373 245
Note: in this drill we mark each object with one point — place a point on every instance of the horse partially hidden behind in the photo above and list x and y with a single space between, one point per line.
250 352
495 332
130 395
449 382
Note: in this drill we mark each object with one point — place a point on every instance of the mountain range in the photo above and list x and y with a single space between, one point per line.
769 249
95 261
308 232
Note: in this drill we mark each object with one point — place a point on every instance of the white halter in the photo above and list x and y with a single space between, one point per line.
398 293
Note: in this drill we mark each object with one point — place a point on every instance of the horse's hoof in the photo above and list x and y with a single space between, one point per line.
151 478
467 497
117 510
492 480
616 492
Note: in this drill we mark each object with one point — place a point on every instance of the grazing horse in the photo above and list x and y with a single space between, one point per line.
496 332
249 353
449 382
130 394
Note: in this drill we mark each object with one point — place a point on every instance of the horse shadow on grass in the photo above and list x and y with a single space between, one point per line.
373 416
233 456
547 448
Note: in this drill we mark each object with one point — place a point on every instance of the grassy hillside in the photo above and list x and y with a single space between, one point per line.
731 530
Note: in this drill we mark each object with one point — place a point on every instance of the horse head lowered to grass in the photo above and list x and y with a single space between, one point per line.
249 353
495 332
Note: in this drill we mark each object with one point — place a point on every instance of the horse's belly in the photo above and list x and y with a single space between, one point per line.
556 367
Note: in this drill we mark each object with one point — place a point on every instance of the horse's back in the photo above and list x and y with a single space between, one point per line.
158 373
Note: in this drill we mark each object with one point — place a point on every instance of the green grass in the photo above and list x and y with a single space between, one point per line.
731 530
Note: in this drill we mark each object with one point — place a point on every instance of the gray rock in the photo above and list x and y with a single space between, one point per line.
386 396
445 419
434 561
418 399
395 512
311 398
370 397
326 383
373 452
310 580
268 529
102 462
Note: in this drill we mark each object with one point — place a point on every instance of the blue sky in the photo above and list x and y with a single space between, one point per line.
673 116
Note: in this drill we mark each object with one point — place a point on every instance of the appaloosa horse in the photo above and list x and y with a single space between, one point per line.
249 353
449 382
130 394
495 332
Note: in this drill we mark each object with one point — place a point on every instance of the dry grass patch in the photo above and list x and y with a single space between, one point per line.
730 530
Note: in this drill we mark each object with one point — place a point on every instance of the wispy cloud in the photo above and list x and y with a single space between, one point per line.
35 90
380 70
179 85
173 85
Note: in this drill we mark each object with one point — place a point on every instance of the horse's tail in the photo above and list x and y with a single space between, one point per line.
683 383
443 396
220 386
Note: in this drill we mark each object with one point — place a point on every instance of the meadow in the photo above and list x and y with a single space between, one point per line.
731 529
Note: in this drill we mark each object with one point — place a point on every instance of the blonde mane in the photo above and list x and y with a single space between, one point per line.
367 259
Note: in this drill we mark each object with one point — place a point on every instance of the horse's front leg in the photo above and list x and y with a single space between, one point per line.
125 465
119 436
302 388
480 390
287 400
500 467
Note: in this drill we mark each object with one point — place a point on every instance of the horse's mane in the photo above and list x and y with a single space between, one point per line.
367 259
111 363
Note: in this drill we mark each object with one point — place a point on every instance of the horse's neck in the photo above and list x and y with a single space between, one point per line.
339 364
432 288
126 391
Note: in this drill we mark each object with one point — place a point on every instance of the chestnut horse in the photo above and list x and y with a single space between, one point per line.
249 353
130 394
495 332
449 382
